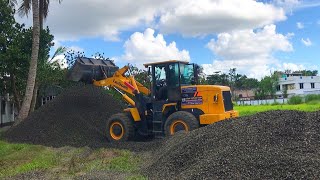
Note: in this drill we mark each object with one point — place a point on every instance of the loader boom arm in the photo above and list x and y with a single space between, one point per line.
125 83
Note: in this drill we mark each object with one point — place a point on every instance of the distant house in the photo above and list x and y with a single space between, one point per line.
7 110
47 93
297 84
243 95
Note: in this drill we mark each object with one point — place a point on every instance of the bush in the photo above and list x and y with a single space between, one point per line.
275 103
312 97
295 100
313 102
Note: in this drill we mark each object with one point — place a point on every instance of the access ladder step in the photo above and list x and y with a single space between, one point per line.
157 122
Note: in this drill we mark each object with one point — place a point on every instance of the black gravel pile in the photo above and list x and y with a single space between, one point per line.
269 145
76 117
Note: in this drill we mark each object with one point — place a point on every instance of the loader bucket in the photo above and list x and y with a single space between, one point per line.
88 69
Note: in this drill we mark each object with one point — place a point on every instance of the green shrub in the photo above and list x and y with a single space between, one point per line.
313 102
312 97
275 103
295 100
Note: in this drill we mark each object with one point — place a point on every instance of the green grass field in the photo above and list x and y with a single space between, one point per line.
249 110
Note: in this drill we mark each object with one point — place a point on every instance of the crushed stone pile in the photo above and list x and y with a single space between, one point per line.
268 145
76 117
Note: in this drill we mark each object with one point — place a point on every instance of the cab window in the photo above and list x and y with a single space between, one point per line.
186 74
173 80
160 75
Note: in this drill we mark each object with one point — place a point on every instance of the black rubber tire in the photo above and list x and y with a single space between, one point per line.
127 124
189 119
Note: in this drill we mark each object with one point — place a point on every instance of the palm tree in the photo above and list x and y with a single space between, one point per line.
36 6
24 111
25 7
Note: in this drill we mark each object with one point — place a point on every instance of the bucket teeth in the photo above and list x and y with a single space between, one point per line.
88 69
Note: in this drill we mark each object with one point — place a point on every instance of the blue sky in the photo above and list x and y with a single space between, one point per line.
255 37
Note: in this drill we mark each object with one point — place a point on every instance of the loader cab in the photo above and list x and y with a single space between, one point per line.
168 77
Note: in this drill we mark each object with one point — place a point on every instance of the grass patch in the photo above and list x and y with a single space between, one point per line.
136 177
124 162
21 158
65 162
249 110
121 161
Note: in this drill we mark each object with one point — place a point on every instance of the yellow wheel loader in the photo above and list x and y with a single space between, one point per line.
172 103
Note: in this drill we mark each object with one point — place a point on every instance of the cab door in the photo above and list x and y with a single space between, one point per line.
174 88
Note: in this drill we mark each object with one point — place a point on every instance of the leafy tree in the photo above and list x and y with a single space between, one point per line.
218 79
303 72
268 86
14 48
15 52
309 72
245 83
200 75
141 75
285 92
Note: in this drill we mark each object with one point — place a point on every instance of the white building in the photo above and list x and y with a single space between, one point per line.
296 84
6 110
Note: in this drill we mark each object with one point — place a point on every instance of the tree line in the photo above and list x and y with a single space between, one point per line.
263 89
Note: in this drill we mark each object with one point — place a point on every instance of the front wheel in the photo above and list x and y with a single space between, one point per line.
119 128
180 121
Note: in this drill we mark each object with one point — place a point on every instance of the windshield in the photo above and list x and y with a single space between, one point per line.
186 74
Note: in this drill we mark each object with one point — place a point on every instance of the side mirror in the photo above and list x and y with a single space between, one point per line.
215 98
196 73
193 82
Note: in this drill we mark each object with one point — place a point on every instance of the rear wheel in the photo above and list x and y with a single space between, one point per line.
180 121
119 128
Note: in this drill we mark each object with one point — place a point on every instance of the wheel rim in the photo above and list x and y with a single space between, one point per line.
116 130
178 125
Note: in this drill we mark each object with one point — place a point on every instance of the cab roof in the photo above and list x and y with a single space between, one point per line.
164 62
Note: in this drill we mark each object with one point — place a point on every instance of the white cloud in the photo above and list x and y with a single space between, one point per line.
288 5
56 45
255 68
306 42
295 67
75 49
146 47
248 51
300 25
292 67
107 18
196 18
292 5
247 43
99 18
